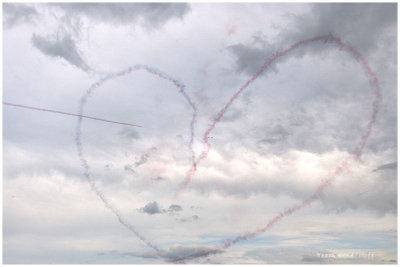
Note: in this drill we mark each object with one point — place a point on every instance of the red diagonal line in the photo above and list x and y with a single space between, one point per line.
70 114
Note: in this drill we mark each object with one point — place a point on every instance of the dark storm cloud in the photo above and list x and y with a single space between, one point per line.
389 166
151 208
362 25
14 14
61 47
149 14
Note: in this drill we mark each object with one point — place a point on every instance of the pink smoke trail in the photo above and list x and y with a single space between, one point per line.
345 164
325 38
180 86
70 114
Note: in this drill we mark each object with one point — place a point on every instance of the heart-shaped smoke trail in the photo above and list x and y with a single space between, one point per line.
345 164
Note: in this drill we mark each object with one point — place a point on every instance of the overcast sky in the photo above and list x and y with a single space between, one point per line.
277 142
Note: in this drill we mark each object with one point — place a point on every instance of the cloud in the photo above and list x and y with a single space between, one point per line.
129 134
151 15
143 160
159 178
63 47
154 208
387 167
310 255
359 24
251 175
14 14
151 208
189 219
174 208
175 253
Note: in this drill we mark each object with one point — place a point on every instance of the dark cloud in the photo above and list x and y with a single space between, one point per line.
176 254
362 25
174 208
62 47
277 134
151 208
250 58
14 14
129 168
287 255
385 167
159 178
154 208
148 14
129 134
143 159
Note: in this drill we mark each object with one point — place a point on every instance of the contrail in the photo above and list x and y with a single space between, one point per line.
345 164
180 86
70 114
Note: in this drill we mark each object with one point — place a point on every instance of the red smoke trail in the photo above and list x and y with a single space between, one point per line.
326 38
344 165
70 114
79 145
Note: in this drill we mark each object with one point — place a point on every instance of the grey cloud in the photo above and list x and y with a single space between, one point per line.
189 219
309 255
143 160
249 58
287 255
129 134
389 166
232 115
362 25
148 14
60 47
158 179
14 14
154 208
177 254
277 134
378 194
174 208
129 168
151 208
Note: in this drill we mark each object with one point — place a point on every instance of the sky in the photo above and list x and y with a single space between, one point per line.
236 127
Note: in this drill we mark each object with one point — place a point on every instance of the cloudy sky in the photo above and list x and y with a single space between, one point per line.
274 146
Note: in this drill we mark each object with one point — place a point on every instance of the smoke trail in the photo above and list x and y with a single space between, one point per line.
344 165
326 39
70 114
79 145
